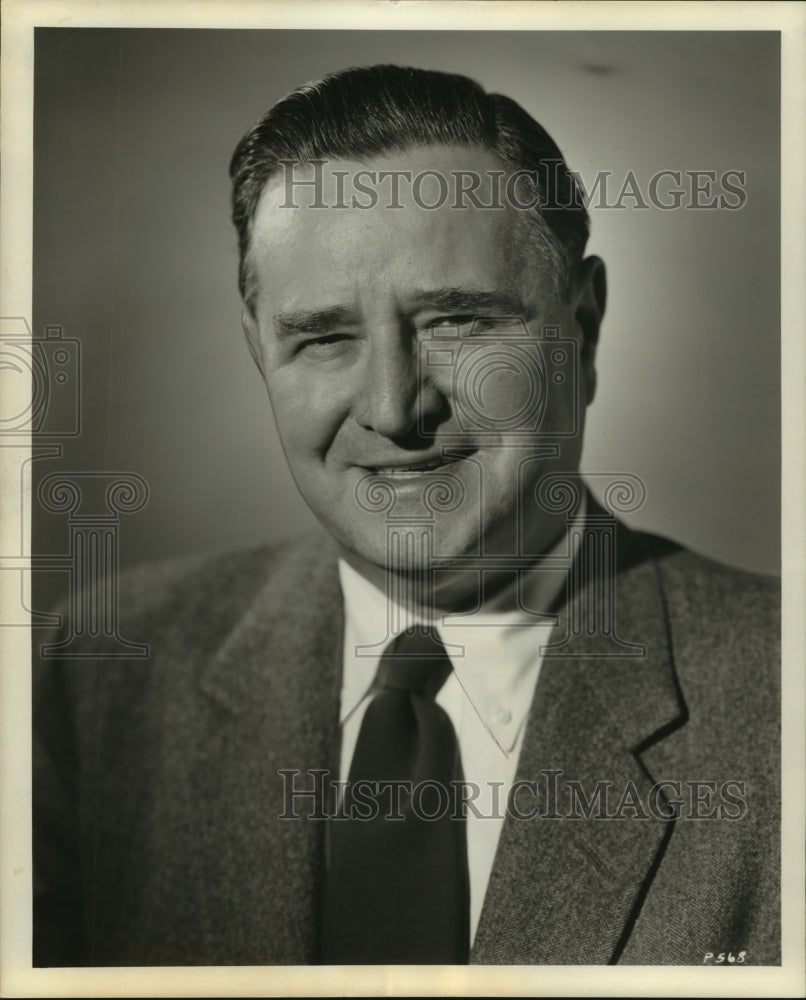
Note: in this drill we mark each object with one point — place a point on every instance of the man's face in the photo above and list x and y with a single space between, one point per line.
349 303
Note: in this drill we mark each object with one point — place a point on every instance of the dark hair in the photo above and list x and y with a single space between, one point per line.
365 112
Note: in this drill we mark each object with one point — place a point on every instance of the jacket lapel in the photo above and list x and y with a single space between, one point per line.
276 682
567 890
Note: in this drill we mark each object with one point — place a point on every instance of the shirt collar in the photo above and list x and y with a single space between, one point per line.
496 659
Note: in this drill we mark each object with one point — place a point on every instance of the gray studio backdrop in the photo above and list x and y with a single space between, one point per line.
135 257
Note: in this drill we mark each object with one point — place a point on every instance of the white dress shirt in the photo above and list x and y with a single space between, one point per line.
496 661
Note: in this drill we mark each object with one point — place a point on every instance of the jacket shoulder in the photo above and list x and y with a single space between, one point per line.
724 631
694 578
220 580
182 609
716 606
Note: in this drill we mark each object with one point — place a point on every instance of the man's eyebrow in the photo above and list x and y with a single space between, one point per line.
449 299
470 300
289 324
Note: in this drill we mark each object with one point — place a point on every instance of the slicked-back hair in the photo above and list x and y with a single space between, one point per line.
366 112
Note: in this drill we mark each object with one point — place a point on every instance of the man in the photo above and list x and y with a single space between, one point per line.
478 720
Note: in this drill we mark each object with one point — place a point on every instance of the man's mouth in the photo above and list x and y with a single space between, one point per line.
423 467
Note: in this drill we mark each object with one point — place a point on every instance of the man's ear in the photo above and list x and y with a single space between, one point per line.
588 302
250 329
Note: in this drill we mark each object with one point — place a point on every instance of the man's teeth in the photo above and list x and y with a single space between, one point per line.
390 470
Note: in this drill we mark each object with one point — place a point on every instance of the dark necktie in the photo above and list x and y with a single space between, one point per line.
396 891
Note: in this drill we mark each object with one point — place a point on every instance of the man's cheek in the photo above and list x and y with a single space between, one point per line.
306 414
505 394
499 387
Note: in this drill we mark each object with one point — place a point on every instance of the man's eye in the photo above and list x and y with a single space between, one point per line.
470 325
326 345
448 321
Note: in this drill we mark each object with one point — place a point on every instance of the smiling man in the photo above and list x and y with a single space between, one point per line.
344 308
477 719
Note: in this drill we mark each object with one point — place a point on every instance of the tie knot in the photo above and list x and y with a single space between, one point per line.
416 661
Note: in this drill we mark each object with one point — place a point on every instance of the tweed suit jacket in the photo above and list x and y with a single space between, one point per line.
157 787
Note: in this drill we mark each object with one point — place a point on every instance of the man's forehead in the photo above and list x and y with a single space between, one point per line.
427 176
428 203
386 226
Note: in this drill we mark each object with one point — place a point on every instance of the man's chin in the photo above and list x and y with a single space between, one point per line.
405 548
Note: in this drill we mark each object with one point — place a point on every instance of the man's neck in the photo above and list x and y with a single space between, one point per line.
427 593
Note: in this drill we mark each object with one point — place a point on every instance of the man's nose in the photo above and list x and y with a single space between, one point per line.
392 400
